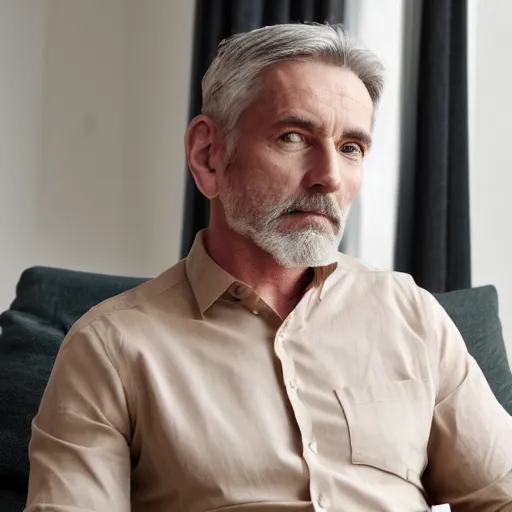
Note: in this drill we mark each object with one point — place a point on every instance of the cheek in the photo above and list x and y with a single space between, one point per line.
258 185
350 187
275 174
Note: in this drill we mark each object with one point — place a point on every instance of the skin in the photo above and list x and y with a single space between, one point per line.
307 133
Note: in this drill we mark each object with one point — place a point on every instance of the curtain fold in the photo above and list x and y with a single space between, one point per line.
214 21
433 229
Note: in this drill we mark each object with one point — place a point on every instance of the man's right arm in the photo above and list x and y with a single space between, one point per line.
79 450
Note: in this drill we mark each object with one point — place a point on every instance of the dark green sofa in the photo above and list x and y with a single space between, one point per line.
48 301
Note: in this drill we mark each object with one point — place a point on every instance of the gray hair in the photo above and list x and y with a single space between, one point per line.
231 83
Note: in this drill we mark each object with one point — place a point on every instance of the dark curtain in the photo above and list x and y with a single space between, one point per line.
433 234
214 21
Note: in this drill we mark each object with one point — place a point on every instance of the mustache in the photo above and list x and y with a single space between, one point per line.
319 203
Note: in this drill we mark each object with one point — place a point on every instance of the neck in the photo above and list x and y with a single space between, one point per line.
281 288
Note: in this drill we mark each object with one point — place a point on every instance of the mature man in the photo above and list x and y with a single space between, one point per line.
268 372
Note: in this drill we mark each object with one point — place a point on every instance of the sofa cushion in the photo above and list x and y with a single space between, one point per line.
49 301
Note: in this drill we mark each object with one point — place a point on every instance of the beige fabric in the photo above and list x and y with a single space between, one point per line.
189 394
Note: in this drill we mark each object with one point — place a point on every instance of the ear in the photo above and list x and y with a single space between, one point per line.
204 150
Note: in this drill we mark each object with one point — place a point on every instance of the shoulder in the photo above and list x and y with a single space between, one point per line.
362 272
393 292
138 301
398 296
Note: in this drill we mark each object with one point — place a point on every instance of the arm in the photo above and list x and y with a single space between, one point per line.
79 450
470 447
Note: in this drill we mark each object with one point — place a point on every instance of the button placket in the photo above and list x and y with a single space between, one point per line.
289 345
279 340
284 352
287 364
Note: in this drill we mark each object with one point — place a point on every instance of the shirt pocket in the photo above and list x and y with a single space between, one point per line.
389 426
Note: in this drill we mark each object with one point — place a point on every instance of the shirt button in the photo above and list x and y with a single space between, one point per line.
323 501
255 312
239 291
312 446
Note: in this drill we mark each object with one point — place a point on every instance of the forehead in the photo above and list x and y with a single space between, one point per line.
329 92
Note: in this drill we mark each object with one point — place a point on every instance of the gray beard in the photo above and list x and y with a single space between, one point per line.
306 247
302 248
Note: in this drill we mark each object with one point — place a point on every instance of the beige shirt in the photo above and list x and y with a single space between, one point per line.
189 394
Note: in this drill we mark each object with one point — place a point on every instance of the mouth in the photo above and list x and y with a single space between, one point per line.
312 214
308 213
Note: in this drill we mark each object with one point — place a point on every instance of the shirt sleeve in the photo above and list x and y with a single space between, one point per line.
79 449
470 447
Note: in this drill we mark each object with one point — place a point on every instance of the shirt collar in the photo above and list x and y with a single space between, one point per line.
209 281
320 276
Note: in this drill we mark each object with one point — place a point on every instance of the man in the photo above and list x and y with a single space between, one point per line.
268 372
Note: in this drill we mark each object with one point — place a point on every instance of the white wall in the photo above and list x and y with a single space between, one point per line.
490 76
83 179
22 32
94 102
158 84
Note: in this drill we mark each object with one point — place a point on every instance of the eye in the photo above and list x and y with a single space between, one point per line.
352 149
292 138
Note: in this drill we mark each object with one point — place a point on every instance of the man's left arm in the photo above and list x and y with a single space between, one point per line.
470 447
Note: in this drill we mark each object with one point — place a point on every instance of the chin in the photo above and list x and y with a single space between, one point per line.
321 260
314 232
323 228
300 221
300 248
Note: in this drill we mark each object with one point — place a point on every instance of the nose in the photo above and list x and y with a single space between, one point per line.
325 170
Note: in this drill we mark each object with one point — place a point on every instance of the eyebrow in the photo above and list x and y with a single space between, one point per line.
309 125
